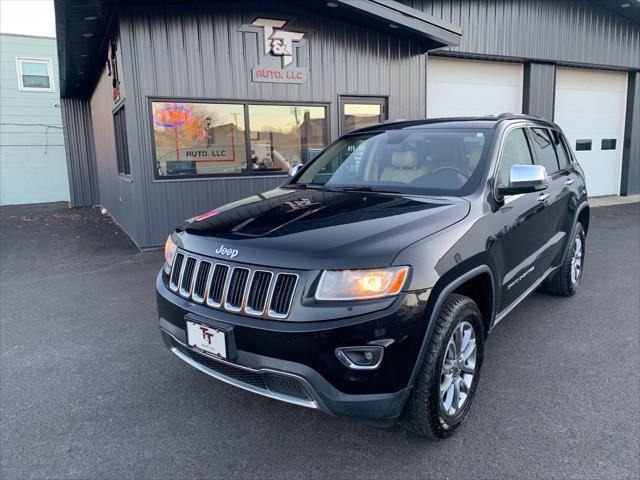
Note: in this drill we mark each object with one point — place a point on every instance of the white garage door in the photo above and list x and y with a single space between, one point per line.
462 88
590 108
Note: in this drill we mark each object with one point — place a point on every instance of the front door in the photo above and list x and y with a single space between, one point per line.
358 112
523 226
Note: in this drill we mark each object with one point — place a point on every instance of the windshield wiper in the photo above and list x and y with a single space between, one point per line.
310 186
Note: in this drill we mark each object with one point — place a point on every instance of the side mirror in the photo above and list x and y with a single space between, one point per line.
525 179
295 168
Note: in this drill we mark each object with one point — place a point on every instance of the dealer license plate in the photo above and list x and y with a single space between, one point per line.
205 338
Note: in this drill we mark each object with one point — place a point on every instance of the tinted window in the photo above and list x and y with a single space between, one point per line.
608 144
545 153
426 161
563 157
515 151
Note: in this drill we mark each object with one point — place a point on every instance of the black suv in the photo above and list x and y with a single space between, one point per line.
368 283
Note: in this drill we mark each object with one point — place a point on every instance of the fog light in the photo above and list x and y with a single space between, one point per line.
368 357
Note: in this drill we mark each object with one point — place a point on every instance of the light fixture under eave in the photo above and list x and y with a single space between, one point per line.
90 18
84 55
80 73
87 35
625 5
393 25
332 4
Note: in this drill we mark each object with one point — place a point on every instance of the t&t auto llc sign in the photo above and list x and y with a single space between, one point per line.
277 52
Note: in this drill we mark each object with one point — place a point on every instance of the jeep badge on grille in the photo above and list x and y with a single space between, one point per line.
229 252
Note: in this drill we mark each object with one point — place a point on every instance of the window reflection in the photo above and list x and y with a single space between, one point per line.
357 115
198 138
282 135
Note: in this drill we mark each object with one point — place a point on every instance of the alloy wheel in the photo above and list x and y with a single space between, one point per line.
576 260
458 369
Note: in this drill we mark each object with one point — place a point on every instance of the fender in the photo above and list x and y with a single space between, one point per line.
444 293
579 210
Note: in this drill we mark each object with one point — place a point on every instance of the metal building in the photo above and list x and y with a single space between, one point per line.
173 108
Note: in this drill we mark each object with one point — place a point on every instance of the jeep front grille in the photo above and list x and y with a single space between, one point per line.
235 289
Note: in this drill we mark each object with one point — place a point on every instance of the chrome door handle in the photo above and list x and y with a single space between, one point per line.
570 181
543 196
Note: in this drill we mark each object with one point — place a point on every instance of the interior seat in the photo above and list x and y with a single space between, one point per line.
404 168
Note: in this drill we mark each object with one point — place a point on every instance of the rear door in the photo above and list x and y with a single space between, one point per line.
547 149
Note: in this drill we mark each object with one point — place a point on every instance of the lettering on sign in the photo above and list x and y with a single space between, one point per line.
277 51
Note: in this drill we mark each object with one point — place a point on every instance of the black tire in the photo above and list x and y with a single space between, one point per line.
562 283
424 413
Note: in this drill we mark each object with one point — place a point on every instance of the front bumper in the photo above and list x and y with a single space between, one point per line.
295 362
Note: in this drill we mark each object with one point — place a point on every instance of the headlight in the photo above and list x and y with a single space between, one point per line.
361 284
169 251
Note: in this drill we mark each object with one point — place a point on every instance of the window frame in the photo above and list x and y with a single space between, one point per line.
126 160
244 103
562 141
47 61
530 132
498 162
382 100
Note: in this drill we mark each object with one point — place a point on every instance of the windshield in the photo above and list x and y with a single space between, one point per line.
427 161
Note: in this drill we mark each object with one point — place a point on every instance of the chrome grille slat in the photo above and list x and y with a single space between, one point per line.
200 283
259 287
282 295
235 292
186 278
176 271
217 285
234 288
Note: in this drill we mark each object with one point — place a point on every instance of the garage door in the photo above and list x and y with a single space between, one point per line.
590 108
460 88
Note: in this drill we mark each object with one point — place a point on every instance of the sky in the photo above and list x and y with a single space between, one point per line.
27 17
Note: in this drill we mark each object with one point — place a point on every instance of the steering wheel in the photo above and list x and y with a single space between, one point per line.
456 170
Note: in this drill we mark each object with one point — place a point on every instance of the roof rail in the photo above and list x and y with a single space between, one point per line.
509 115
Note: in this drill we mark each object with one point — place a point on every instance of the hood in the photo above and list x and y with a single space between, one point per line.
318 229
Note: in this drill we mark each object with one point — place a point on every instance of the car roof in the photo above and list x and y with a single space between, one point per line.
488 121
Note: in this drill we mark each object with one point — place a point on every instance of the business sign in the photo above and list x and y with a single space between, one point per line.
277 52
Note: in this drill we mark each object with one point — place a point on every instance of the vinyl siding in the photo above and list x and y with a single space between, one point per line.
32 156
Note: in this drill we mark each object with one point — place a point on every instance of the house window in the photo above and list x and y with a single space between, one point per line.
122 148
194 139
35 74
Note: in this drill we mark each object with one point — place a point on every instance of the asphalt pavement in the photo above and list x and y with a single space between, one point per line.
88 390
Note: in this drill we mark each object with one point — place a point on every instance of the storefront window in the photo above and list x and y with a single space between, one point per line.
199 138
204 139
282 135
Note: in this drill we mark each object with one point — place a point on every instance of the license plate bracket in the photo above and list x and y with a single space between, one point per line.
215 332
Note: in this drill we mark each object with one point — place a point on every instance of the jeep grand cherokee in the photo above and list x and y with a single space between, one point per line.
367 284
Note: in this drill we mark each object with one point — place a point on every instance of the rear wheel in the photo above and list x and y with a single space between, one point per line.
566 280
448 376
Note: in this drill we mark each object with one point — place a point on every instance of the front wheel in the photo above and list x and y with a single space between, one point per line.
448 377
566 280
